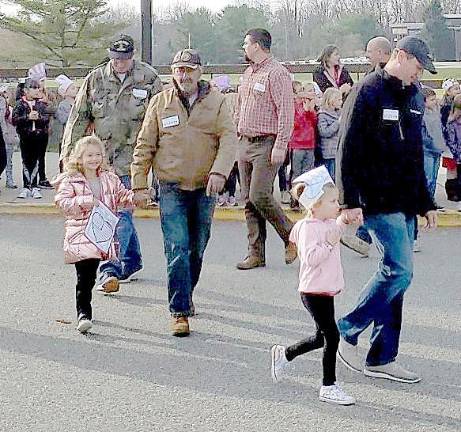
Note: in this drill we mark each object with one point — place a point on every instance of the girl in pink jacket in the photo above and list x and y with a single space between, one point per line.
320 276
84 184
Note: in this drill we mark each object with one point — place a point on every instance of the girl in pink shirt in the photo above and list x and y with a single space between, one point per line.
320 279
86 183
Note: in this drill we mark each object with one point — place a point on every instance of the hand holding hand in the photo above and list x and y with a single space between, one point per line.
345 88
215 184
140 198
352 216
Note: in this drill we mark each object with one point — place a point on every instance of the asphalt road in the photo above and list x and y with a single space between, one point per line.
129 374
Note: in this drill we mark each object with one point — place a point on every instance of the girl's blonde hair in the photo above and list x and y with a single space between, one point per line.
298 189
455 112
75 159
329 96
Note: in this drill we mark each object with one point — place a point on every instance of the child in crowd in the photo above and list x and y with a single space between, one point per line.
9 133
85 183
328 127
303 138
451 88
433 140
68 91
30 116
320 277
454 140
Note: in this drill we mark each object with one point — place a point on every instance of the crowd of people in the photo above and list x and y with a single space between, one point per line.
364 154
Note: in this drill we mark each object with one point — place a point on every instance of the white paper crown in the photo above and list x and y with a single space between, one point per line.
64 83
314 180
37 72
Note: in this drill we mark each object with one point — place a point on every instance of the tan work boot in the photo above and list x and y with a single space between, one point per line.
180 326
109 285
251 262
291 253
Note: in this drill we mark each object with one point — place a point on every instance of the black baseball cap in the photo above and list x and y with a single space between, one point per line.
418 48
122 47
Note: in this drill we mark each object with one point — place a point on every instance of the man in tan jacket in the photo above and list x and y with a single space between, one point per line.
189 140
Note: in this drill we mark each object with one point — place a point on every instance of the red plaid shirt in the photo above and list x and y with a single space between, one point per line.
265 102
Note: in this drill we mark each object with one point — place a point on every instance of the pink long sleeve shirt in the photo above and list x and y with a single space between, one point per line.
320 270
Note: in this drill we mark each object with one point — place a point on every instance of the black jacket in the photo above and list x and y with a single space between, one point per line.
324 80
26 127
380 157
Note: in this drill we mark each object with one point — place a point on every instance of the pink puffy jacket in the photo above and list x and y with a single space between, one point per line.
73 190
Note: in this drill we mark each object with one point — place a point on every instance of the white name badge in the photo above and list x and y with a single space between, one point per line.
260 87
139 93
390 114
170 121
415 112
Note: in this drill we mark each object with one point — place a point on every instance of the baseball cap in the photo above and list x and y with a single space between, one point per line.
122 47
418 48
187 58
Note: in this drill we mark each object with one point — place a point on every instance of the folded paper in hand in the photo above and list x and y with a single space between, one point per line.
100 229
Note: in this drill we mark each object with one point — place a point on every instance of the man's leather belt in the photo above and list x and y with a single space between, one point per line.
259 138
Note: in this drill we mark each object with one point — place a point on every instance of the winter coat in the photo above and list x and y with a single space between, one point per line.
433 139
454 139
304 130
26 127
324 80
73 190
380 164
328 127
183 143
320 270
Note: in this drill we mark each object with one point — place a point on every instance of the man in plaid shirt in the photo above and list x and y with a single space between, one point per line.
265 112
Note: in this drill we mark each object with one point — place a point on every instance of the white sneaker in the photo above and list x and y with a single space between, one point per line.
278 361
25 193
84 324
335 394
392 371
36 193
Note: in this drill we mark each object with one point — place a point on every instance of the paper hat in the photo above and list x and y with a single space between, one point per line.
64 82
448 84
314 180
37 72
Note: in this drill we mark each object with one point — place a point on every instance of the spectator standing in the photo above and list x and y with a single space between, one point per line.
111 103
433 141
331 73
189 139
328 128
10 136
265 114
454 140
381 169
31 118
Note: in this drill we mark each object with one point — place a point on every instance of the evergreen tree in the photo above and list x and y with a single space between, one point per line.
436 33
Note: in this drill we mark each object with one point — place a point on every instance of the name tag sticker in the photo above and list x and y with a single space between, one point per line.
260 87
139 93
170 121
390 114
415 112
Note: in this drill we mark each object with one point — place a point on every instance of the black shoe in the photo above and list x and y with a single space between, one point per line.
45 184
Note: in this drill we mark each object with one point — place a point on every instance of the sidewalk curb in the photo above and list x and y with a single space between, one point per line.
446 219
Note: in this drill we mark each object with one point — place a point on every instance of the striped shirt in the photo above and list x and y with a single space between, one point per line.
265 102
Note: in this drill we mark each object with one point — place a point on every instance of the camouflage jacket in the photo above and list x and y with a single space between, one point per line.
113 110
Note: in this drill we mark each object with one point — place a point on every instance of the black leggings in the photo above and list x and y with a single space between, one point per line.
322 309
86 277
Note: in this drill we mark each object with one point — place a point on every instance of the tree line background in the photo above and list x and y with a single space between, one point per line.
77 32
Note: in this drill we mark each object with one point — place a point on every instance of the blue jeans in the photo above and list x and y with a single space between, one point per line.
302 160
431 169
186 218
381 300
330 165
129 259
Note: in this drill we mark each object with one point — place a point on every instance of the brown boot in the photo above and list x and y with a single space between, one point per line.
251 262
291 253
110 285
180 326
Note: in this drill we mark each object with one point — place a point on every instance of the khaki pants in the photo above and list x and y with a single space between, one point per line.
257 176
